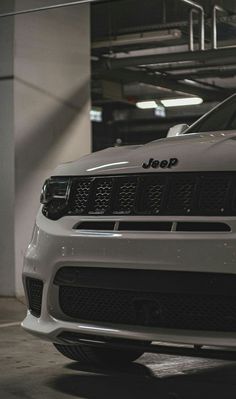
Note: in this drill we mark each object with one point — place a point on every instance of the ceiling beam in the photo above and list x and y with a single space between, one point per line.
129 76
193 65
204 57
208 72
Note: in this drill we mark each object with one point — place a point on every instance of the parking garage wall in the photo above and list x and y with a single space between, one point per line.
51 106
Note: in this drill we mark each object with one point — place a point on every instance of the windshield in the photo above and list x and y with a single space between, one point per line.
223 117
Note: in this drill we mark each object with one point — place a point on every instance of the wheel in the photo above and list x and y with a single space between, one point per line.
102 356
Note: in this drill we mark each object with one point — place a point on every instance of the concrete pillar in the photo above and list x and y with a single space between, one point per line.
7 275
51 110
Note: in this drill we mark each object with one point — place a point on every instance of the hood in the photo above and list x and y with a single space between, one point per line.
215 151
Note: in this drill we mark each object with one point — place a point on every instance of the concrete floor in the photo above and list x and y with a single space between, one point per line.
32 369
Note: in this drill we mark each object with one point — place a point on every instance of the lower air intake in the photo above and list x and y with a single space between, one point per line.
34 292
177 300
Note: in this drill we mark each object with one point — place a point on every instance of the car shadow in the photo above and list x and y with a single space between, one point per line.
156 380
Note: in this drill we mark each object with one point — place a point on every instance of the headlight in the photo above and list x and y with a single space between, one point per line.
55 196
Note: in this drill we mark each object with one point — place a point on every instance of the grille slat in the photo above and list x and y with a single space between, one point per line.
179 194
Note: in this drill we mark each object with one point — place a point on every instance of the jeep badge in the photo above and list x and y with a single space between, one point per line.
155 163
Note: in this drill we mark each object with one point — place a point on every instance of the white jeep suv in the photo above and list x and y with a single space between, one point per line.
137 245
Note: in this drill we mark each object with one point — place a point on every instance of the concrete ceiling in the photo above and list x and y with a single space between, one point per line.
146 68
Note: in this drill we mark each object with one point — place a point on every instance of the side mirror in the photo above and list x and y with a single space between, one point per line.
177 130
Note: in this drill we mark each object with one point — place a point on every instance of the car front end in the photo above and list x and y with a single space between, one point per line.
138 244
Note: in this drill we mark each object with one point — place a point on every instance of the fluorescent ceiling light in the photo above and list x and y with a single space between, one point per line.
146 104
181 102
137 38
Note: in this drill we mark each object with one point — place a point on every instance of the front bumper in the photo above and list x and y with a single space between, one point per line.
50 329
56 244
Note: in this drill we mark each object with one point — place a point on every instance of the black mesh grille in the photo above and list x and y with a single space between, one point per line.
181 311
80 196
34 292
181 194
213 196
151 196
126 196
102 195
168 299
209 193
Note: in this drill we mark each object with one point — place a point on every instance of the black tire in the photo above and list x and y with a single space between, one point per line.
102 356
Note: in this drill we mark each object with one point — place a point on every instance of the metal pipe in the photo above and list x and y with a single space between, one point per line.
45 8
201 31
214 24
164 11
191 35
199 65
206 72
196 8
